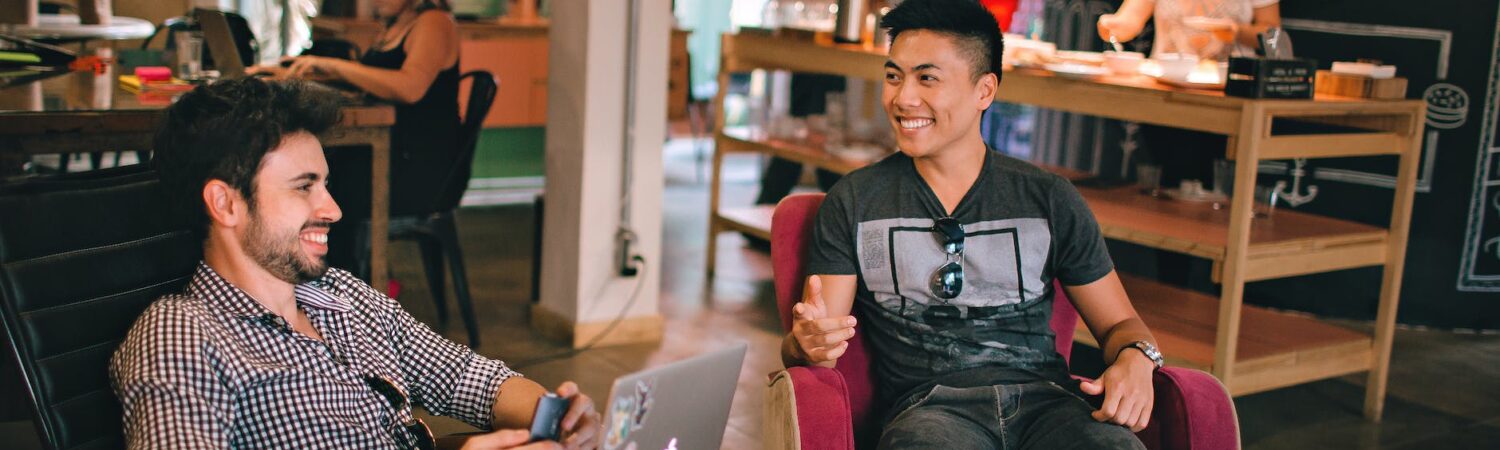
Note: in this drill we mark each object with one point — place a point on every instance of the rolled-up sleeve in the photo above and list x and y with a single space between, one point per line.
446 378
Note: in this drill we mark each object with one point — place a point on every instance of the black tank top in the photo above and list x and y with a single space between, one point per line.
424 139
431 120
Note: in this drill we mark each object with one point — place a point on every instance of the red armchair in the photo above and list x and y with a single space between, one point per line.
819 408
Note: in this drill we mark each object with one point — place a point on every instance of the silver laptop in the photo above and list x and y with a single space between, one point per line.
683 405
220 43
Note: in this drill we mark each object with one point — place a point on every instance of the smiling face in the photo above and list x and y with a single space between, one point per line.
931 96
289 219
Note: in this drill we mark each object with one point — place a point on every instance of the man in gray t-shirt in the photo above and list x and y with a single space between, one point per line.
1022 226
948 252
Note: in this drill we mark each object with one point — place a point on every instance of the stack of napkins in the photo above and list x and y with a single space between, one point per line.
1364 69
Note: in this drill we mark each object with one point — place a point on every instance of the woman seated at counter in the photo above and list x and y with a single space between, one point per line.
414 64
1204 29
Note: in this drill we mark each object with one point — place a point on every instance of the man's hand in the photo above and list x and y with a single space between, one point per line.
820 339
1128 395
581 426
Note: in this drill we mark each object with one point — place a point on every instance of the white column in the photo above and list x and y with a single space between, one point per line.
582 290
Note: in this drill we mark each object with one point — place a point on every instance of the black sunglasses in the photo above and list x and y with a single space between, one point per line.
948 280
413 425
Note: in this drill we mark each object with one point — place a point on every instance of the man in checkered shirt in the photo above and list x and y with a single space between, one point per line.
268 347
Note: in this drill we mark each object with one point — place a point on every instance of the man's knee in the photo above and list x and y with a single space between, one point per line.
1099 435
934 428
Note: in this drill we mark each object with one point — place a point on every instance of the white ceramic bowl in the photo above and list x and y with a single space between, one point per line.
1123 63
1175 65
1027 52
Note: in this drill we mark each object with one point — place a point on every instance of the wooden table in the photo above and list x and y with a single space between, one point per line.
83 112
1249 349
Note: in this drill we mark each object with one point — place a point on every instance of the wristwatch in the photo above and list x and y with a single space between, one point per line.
1150 350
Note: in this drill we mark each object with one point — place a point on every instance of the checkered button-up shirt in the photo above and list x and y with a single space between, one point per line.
214 368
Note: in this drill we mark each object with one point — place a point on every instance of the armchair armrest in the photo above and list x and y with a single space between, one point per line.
807 408
1193 411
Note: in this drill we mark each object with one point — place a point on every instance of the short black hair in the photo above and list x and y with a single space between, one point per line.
972 26
222 130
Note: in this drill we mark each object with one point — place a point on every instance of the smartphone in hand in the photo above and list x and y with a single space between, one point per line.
546 425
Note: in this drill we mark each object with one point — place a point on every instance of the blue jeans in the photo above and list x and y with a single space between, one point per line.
1037 415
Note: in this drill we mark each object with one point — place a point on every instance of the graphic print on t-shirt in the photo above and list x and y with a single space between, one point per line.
1003 264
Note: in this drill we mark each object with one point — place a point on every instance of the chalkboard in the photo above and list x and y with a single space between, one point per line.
1448 50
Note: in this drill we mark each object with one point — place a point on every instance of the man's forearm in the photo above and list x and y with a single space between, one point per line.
515 403
1122 335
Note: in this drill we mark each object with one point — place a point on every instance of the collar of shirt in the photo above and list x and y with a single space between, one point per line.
208 285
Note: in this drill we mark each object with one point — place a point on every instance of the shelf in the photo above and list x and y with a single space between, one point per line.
755 221
746 139
1149 101
1275 349
746 51
1288 243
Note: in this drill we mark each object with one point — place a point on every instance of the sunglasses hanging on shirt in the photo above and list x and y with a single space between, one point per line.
398 400
948 280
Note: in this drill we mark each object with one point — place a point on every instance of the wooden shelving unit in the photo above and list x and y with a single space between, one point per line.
1250 349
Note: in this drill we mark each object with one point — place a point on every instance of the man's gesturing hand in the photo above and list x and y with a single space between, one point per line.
819 338
1128 395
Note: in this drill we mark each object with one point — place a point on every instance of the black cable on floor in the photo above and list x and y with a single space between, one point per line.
640 280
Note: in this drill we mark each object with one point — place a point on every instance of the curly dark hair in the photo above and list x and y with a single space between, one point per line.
974 29
222 130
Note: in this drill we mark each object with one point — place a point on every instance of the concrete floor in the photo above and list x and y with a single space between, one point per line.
1442 393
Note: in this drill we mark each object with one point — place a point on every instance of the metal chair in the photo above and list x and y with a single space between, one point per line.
437 232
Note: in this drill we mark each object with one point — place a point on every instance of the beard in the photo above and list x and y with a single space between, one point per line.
281 253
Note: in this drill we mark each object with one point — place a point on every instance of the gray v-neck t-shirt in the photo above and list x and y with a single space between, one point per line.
1024 227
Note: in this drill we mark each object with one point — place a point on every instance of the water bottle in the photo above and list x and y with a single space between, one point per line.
850 25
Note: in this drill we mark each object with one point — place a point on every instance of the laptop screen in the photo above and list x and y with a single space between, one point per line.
220 43
682 405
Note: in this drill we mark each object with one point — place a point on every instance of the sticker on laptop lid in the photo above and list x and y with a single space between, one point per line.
628 413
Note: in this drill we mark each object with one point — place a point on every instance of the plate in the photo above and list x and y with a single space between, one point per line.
1182 83
1079 71
1081 57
